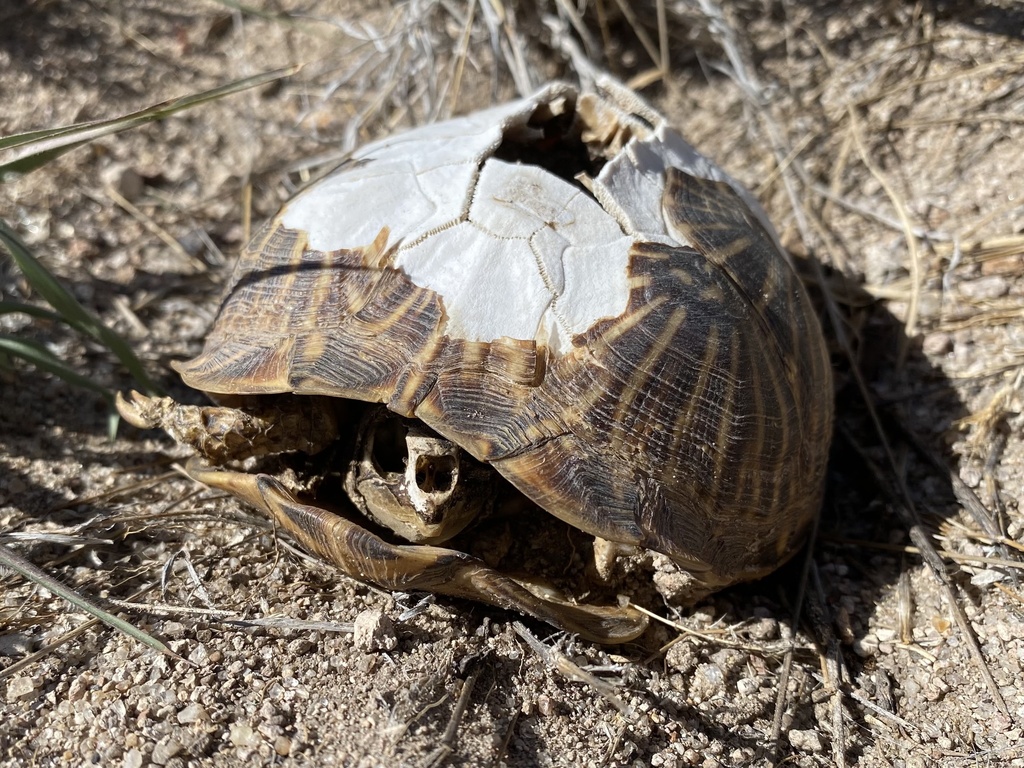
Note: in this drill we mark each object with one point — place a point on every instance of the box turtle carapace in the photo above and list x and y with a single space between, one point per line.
560 289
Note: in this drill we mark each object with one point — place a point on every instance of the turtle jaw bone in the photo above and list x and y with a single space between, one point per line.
220 433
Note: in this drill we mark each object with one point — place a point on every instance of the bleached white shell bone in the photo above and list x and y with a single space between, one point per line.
513 249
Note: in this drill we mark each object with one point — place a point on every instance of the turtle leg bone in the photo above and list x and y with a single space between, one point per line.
220 433
364 556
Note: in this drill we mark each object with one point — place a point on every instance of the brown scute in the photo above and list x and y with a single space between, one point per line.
478 393
313 322
514 360
258 365
712 216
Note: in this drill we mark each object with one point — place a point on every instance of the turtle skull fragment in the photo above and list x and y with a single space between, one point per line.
411 481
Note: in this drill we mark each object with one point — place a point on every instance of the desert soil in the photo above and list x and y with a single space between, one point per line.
884 138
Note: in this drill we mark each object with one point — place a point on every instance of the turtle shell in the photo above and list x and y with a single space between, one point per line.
571 293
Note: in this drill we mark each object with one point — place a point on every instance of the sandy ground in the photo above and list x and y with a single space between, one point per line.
883 137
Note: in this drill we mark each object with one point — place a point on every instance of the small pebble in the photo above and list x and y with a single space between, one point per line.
545 706
21 688
708 680
991 287
374 631
242 735
199 655
165 750
937 344
192 713
763 629
806 741
681 658
283 746
746 686
174 629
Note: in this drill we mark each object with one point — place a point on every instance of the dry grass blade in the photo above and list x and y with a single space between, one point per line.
782 691
26 152
630 15
448 741
499 753
832 666
910 324
45 651
954 557
233 618
765 649
118 491
964 494
10 559
151 226
460 57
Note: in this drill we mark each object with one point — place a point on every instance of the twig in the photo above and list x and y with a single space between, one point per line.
833 666
908 516
559 662
440 755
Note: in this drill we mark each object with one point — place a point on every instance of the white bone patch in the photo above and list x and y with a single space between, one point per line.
536 259
412 183
512 249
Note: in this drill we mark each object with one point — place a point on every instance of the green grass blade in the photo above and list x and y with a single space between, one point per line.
67 306
11 559
43 359
25 152
13 307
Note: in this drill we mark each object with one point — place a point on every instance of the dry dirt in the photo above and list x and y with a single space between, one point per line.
884 137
